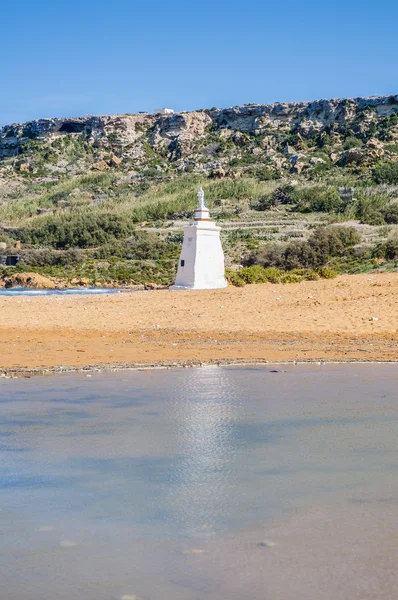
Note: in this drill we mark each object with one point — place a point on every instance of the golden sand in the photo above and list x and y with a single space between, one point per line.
351 318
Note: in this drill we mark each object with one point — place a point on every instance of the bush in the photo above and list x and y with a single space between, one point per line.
264 203
373 217
297 255
234 278
386 172
332 241
254 274
323 244
369 208
387 250
327 273
352 142
266 174
317 199
390 214
391 249
143 245
80 231
48 256
258 274
282 195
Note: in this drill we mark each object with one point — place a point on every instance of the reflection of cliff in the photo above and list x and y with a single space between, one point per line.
205 413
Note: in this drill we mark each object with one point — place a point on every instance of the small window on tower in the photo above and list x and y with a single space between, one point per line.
183 263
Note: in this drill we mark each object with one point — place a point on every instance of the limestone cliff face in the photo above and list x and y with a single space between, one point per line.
306 116
95 130
205 139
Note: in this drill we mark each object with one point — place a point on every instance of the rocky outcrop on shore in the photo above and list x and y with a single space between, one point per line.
40 282
26 280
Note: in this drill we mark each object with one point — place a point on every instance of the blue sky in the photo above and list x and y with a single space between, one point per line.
71 58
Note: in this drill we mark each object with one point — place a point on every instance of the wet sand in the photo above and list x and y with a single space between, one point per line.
346 551
351 318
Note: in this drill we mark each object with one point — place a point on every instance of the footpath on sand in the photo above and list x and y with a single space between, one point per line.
350 318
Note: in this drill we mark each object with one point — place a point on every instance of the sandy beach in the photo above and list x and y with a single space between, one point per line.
350 318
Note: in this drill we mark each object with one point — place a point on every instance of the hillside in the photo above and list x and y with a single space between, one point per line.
105 198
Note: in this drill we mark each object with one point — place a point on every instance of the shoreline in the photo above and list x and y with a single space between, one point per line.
109 368
349 319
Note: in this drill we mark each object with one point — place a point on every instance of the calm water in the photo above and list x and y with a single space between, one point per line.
20 291
117 483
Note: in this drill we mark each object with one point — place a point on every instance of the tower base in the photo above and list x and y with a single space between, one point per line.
218 286
201 265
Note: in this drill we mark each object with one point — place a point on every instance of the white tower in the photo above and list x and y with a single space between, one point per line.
201 263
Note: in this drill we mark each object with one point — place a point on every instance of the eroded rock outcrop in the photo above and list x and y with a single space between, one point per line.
201 140
26 280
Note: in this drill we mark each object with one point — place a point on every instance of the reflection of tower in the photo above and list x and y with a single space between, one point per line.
205 418
201 263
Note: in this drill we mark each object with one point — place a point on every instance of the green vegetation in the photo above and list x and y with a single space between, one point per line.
108 203
127 237
259 274
386 172
323 244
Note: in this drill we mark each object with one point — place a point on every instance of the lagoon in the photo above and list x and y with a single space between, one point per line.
200 484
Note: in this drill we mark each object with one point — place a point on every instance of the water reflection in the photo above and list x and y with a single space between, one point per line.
106 483
205 411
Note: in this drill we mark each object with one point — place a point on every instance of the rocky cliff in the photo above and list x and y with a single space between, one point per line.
298 137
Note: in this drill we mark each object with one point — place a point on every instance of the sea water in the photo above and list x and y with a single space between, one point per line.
20 291
164 485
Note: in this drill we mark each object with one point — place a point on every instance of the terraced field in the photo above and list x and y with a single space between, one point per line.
250 229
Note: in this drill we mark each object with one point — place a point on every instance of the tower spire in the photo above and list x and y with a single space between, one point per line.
202 212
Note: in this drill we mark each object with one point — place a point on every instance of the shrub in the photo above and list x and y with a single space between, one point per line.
281 195
352 142
386 172
327 273
391 249
373 217
258 274
142 245
379 250
369 208
323 244
317 199
284 194
254 274
266 174
234 278
48 256
240 234
80 231
332 241
264 203
297 255
391 214
176 237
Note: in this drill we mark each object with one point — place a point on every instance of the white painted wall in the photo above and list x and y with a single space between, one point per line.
203 258
163 111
